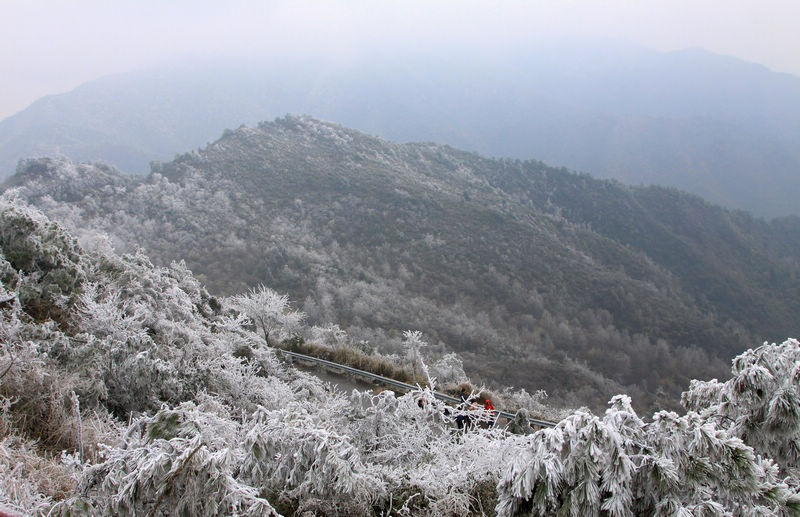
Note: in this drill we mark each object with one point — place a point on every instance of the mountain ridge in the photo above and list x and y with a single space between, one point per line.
720 127
537 275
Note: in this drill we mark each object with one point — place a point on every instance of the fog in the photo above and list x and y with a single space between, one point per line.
48 47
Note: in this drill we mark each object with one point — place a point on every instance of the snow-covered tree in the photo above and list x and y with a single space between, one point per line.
449 370
618 465
177 462
330 335
760 403
270 312
413 345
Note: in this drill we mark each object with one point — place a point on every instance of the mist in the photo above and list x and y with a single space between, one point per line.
51 47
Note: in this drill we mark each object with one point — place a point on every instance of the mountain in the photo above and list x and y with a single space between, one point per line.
537 276
713 125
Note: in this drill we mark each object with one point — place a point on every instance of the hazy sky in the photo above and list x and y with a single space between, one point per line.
51 46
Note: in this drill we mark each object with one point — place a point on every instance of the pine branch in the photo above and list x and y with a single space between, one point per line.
169 480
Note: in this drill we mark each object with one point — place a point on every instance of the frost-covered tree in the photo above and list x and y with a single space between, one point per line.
413 345
270 312
330 335
618 465
760 403
177 462
310 464
449 370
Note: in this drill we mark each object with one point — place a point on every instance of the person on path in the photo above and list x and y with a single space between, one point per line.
489 407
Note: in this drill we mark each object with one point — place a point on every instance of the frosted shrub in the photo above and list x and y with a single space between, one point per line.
29 482
618 465
396 431
431 467
102 313
331 336
177 462
46 259
39 396
449 370
533 404
458 474
308 467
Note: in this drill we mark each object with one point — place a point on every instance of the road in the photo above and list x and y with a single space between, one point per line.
385 381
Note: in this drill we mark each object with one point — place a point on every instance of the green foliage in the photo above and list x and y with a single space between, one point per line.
293 344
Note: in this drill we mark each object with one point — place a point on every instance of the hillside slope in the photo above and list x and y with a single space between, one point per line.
127 389
537 276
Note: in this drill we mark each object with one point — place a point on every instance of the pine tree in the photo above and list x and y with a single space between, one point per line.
620 466
760 403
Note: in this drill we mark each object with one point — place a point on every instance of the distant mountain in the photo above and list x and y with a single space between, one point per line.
719 127
538 277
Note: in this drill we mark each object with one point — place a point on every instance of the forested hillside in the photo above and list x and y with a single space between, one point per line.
539 277
128 389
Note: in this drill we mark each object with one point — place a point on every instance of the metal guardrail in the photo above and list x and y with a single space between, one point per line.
397 384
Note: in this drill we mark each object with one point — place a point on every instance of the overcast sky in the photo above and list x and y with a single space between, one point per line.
51 46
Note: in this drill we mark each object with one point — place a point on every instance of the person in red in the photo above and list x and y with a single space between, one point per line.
489 407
